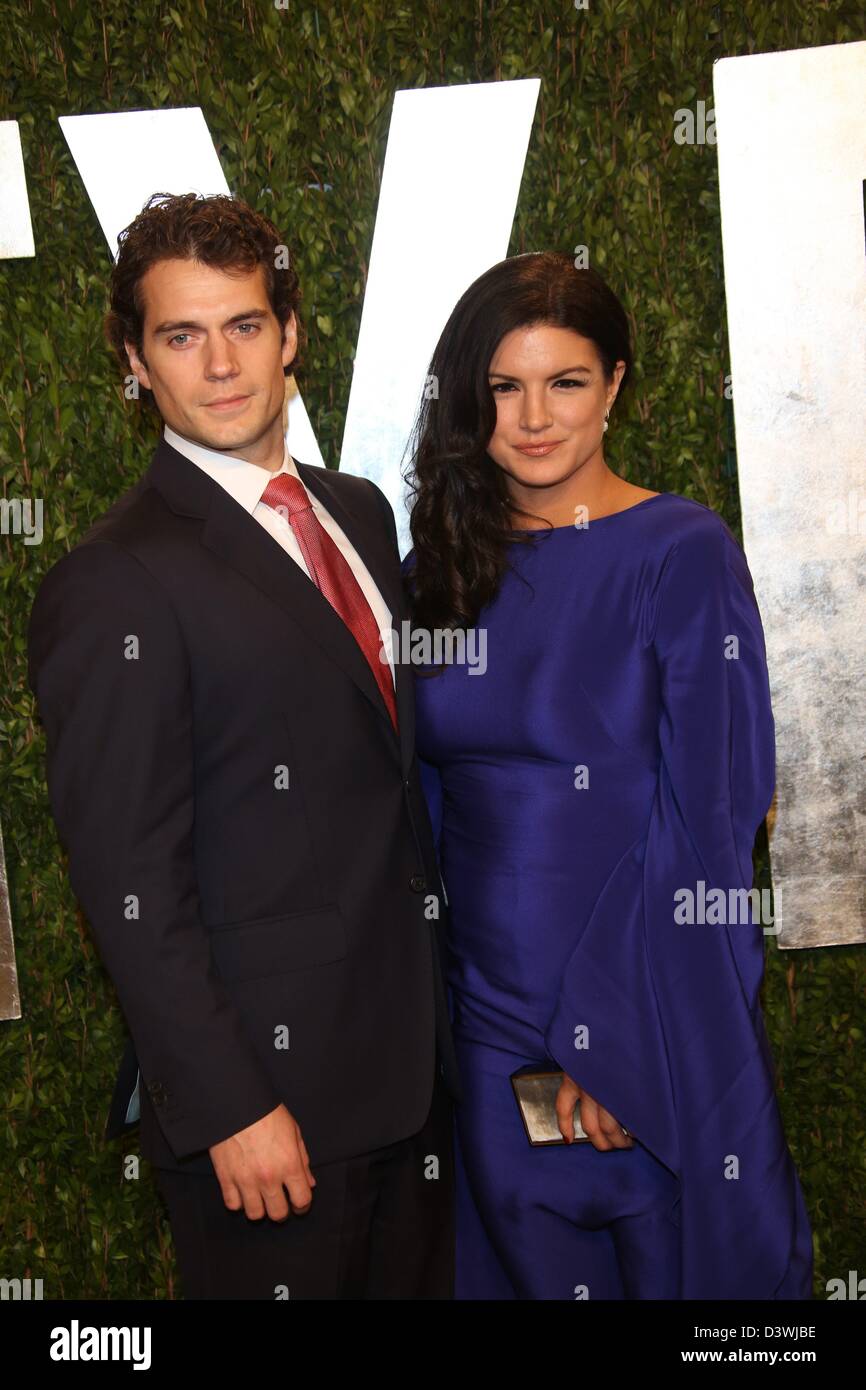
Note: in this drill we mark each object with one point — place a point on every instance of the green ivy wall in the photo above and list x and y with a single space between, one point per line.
297 99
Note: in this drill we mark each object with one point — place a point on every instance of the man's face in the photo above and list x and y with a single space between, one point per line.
214 357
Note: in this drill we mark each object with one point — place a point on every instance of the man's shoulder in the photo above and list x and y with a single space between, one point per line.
347 484
111 544
110 523
355 491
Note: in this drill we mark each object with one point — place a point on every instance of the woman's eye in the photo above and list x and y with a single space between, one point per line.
499 388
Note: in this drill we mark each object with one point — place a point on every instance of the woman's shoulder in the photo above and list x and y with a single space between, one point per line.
689 528
696 549
693 517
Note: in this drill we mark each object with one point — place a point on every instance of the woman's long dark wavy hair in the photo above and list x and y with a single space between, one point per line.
462 515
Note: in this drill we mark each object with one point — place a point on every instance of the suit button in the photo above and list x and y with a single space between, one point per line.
417 883
157 1092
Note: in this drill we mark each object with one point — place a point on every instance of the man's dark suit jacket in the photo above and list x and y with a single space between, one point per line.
268 942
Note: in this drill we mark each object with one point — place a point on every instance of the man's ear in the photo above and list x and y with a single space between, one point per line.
137 364
290 339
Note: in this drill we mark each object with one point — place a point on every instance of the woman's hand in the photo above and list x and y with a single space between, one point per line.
602 1128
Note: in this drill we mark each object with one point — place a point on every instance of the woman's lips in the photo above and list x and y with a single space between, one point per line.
538 450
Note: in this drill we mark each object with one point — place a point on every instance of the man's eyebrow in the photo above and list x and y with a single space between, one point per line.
176 325
566 371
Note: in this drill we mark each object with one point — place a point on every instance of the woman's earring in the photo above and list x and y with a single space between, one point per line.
606 418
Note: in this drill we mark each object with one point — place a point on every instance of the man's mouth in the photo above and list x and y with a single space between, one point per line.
227 403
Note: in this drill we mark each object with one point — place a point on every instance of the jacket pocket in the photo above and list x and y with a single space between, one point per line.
274 945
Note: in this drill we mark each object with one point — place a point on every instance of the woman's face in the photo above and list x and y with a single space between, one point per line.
551 396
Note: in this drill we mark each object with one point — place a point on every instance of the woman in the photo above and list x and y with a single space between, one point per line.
600 778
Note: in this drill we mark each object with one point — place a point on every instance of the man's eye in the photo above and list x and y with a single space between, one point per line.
178 335
247 325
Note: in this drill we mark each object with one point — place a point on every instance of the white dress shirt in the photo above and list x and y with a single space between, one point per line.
246 482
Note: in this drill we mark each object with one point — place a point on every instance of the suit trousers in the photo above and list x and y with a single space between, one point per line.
381 1226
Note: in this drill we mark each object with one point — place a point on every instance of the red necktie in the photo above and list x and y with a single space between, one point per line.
330 571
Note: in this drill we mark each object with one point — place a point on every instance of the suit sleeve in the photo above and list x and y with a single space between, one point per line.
109 668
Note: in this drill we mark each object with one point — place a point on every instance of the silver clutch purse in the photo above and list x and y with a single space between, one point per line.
535 1093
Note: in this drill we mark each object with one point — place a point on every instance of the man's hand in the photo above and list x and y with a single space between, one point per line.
601 1127
254 1165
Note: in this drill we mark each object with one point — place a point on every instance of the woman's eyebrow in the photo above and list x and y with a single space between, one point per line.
566 371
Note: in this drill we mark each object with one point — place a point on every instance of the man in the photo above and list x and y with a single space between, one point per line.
231 770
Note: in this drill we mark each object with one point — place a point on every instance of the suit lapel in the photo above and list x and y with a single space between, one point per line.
373 546
233 534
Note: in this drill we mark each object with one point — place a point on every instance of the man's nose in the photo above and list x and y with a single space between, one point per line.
220 360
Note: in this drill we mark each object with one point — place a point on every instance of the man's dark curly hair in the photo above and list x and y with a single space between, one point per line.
220 232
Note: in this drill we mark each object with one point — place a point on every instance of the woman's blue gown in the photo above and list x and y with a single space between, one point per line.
617 751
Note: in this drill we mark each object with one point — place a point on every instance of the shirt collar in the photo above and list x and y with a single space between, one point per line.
244 481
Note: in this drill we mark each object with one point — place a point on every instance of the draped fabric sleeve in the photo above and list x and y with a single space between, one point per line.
665 976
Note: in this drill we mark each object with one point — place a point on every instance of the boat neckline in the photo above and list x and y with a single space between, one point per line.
597 521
